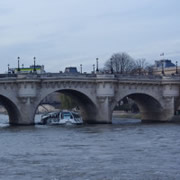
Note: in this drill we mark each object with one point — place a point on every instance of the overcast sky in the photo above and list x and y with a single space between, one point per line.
64 33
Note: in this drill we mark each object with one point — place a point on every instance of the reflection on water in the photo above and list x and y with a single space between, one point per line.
125 150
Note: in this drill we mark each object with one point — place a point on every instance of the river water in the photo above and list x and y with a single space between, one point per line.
125 150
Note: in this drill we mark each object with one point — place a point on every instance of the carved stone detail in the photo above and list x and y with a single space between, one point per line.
5 86
104 84
101 99
32 85
23 100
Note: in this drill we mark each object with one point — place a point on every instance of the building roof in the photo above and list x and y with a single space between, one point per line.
71 70
166 63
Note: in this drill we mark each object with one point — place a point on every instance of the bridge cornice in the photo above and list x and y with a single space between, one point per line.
94 79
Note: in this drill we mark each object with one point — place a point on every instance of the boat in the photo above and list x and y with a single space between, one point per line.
61 117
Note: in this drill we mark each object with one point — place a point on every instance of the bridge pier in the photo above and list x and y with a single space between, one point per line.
104 115
105 92
27 112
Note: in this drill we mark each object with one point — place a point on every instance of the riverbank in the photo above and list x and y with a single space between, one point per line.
3 110
123 114
41 109
49 108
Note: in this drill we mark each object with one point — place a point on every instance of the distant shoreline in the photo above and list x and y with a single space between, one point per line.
3 110
117 114
123 114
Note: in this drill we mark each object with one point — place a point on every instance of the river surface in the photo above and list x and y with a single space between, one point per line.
125 150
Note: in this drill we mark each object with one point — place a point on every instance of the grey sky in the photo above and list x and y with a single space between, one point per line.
64 33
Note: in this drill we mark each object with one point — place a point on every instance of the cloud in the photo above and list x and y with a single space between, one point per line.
63 33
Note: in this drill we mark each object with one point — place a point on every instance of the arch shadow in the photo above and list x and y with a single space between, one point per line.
13 112
150 108
87 107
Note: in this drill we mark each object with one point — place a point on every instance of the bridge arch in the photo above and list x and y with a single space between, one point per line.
12 109
87 105
150 107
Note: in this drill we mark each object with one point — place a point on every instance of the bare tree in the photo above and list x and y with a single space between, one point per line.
149 69
120 63
141 67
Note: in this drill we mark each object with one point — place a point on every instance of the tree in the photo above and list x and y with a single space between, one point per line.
149 69
120 63
66 102
141 67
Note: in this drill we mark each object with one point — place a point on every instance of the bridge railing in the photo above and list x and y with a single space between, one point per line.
126 76
65 75
54 76
8 75
88 75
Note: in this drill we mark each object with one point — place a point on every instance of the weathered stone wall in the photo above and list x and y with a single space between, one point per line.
96 95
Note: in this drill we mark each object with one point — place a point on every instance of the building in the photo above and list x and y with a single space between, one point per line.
165 66
165 62
39 69
52 99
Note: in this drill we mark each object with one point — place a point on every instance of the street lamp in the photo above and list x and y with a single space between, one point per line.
97 69
81 68
8 70
18 63
162 63
93 68
176 67
34 64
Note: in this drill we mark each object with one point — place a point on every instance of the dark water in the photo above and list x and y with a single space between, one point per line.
126 150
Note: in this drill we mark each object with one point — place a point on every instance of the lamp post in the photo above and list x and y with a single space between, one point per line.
81 68
162 67
97 68
8 68
34 64
176 67
18 63
93 68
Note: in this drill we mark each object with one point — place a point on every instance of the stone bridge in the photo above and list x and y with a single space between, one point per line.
96 95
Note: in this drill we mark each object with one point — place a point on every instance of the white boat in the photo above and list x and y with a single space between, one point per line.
61 117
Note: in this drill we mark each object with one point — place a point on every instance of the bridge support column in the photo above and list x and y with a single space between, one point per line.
27 111
104 115
105 92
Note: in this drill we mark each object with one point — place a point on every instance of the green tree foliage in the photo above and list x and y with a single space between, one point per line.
67 102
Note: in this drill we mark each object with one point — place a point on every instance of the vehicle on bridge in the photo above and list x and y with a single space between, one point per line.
61 117
71 70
